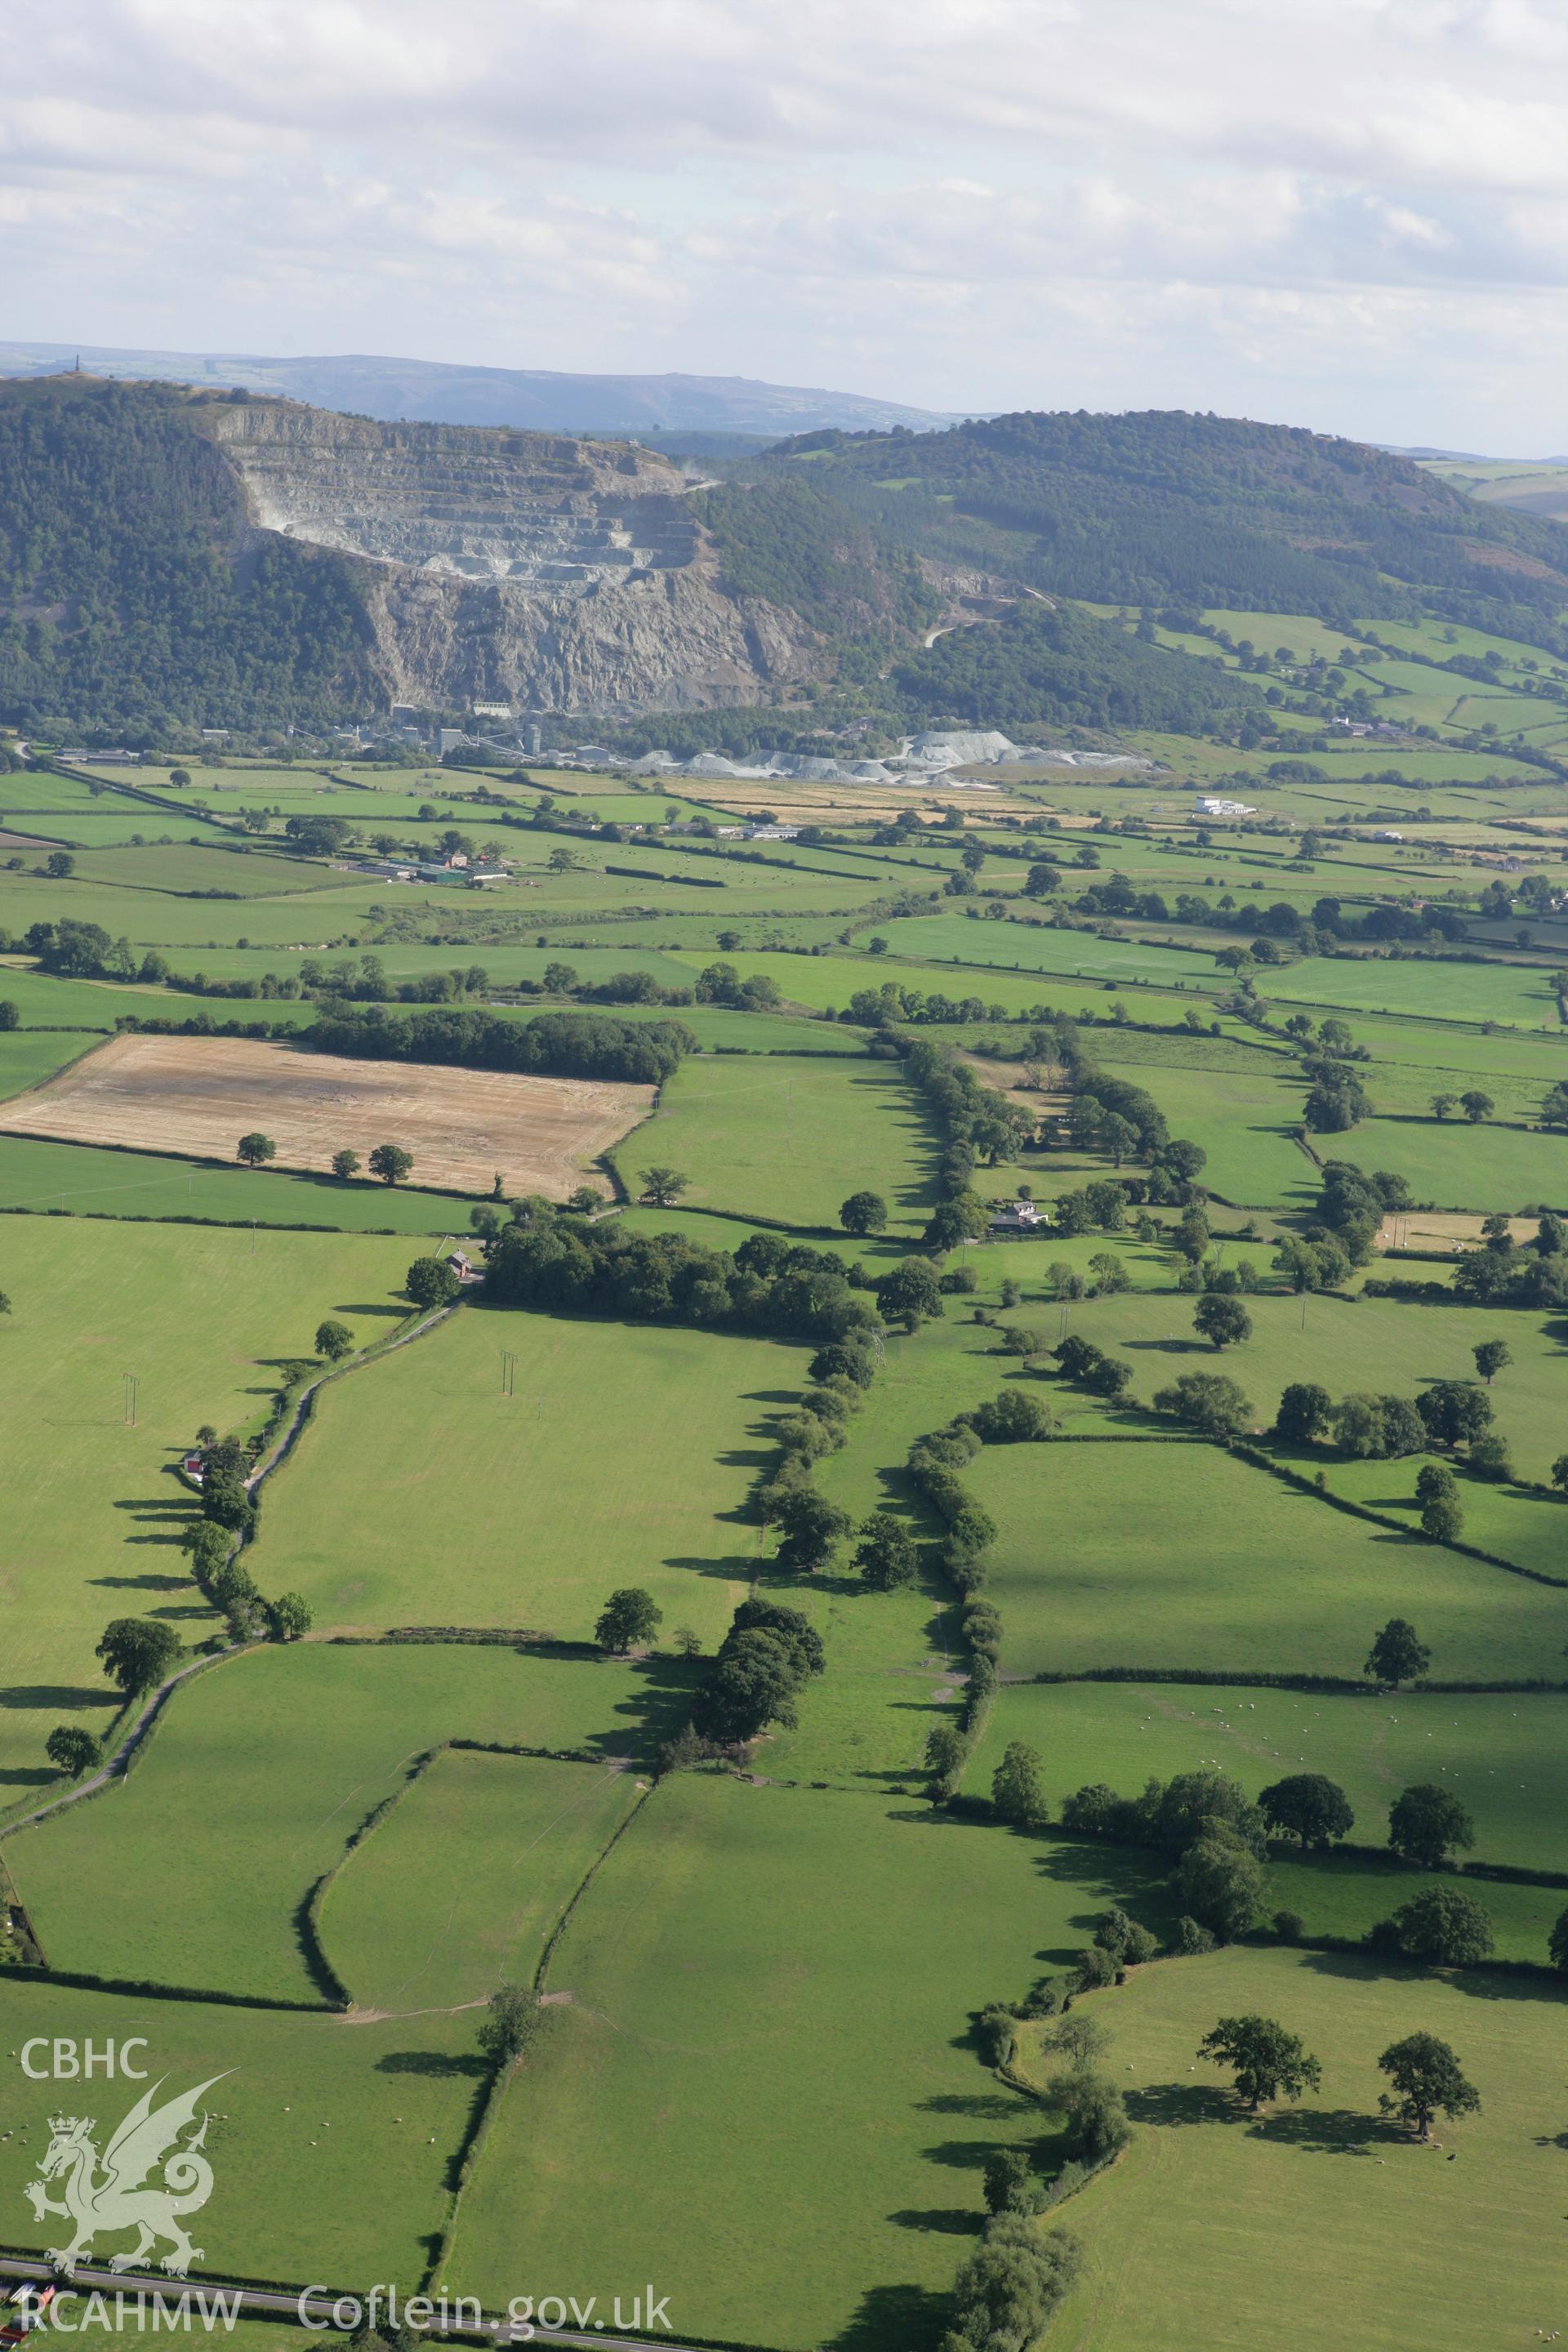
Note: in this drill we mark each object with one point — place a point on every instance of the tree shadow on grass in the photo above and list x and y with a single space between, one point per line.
1170 2104
1328 2131
432 2062
151 1582
383 1308
731 1568
60 1695
988 2106
1482 1984
945 2220
653 1712
894 2319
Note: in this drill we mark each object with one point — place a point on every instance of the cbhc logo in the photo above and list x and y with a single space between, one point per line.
79 2061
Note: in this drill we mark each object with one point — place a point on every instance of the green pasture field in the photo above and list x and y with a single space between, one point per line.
506 960
1522 1524
87 1180
422 1495
891 1656
1441 640
126 823
1351 771
1113 1555
1244 1124
153 918
29 1056
24 793
459 1888
43 1001
727 1964
263 1769
1043 949
827 982
1409 1053
1346 1895
1460 2255
719 1031
1456 1165
790 1139
1403 1091
1506 1756
1514 993
186 870
309 2106
1345 1344
864 1722
1309 640
93 1506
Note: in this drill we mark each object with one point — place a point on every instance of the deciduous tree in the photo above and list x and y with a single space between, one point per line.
1426 2082
1223 1321
138 1653
391 1162
1444 1928
1427 1823
1016 1792
1309 1806
511 2017
1267 2060
1398 1655
863 1214
431 1282
885 1555
72 1749
289 1616
628 1620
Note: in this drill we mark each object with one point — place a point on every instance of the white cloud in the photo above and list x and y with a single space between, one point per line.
1356 215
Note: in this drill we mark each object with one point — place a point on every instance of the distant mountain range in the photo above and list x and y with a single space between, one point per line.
538 399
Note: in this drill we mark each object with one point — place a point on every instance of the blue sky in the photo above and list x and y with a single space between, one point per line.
1350 214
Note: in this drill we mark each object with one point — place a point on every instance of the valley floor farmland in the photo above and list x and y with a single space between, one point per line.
769 1992
94 1507
200 1095
757 2081
263 1770
426 1495
1322 2225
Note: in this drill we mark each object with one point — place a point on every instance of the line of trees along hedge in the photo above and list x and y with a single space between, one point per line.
569 1264
563 1044
976 1119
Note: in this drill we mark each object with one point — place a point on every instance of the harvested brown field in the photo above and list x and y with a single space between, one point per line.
1439 1229
197 1095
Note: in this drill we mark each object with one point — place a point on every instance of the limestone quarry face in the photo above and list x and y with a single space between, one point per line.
553 573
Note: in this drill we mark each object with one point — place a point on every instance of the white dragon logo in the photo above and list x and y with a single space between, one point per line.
115 2198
